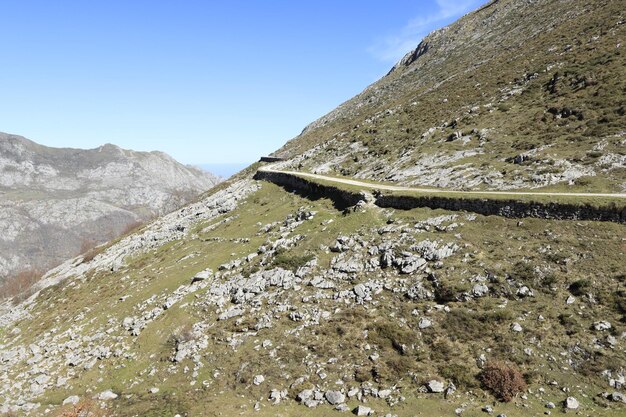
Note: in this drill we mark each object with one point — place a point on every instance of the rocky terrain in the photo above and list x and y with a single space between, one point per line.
517 95
263 300
56 203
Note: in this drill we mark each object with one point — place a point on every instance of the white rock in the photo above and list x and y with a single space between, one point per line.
72 399
571 403
335 397
258 380
435 386
107 395
516 327
362 410
424 323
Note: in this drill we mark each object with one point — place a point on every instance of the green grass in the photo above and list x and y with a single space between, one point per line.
494 244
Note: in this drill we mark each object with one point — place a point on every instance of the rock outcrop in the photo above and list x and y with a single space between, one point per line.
56 203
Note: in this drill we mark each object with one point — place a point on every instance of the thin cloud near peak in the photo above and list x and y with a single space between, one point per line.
394 46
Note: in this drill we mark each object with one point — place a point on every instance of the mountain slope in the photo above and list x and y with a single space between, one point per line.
56 203
258 300
517 95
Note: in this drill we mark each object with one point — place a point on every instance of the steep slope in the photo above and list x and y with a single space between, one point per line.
56 203
516 95
259 300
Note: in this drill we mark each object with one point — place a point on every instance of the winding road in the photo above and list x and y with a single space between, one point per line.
369 185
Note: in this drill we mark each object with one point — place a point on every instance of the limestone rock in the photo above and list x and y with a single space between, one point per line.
571 403
107 395
435 386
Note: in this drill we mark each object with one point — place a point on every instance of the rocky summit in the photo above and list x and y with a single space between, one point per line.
56 203
385 296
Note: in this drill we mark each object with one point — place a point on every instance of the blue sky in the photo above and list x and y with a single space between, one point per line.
205 81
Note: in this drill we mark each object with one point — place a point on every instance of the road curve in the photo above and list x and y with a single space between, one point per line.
268 168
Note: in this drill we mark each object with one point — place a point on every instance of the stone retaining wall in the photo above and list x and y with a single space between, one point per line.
499 207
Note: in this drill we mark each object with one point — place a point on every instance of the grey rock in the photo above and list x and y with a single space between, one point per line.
480 290
335 397
424 323
617 397
418 292
305 395
107 395
384 393
361 291
362 410
342 407
571 403
602 325
72 399
435 386
525 291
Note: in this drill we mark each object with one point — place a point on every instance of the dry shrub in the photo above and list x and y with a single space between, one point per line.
503 380
83 409
131 227
89 250
19 286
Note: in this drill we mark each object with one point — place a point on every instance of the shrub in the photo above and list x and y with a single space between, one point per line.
19 286
503 380
580 287
83 409
291 262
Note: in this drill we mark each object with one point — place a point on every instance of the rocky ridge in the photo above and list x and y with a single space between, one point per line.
511 96
56 203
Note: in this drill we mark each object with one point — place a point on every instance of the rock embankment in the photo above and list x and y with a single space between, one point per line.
499 207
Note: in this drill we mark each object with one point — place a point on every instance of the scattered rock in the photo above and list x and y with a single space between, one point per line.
424 323
72 399
602 325
435 386
107 395
335 397
480 290
362 410
571 403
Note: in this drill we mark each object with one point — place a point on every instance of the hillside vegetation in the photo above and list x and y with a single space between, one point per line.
517 95
257 300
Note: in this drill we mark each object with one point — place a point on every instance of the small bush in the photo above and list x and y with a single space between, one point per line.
83 409
502 380
291 262
19 287
580 287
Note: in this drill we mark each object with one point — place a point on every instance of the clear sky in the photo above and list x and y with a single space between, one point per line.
205 81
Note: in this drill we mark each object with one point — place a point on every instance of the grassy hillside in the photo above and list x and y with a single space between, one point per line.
312 330
258 301
515 95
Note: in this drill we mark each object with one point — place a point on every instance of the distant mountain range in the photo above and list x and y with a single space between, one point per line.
55 203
